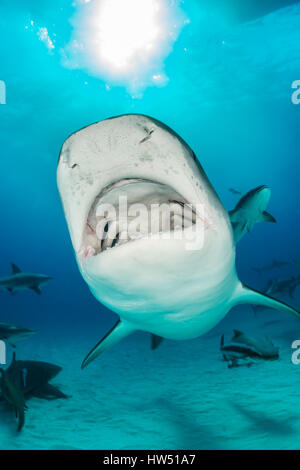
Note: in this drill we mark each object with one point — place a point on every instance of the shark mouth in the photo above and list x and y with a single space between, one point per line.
132 209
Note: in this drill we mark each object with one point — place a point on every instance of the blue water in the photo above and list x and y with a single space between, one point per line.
227 92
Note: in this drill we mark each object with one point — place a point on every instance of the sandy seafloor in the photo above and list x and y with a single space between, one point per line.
181 396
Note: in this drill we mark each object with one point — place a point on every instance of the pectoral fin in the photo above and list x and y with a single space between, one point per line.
233 215
118 332
245 294
238 231
10 289
36 289
266 217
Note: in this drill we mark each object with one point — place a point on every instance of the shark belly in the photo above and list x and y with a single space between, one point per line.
180 294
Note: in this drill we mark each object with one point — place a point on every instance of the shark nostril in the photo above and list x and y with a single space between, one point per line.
75 165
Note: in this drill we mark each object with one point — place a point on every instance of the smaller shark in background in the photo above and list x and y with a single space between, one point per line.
242 347
235 191
12 333
250 210
288 286
274 265
25 379
275 286
19 280
33 378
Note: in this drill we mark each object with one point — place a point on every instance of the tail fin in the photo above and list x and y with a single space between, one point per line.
245 294
267 217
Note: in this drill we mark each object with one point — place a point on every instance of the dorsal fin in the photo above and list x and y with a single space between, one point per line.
155 341
15 268
237 333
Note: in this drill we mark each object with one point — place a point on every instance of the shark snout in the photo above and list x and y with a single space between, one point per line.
47 279
26 333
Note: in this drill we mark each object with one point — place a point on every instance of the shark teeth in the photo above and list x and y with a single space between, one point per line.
105 232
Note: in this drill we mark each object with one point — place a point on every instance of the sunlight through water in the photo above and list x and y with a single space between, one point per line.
125 42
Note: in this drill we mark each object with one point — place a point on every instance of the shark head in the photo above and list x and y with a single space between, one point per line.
259 197
21 333
139 160
174 277
43 279
249 210
13 333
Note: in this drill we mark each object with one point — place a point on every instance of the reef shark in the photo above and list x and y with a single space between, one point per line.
33 377
20 280
13 333
236 192
243 347
288 286
158 284
274 265
25 379
250 210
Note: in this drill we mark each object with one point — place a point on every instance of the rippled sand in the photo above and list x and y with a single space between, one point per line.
180 396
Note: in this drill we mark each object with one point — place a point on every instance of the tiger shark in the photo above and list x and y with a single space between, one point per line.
157 282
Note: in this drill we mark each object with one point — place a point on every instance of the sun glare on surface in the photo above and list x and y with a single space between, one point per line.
128 31
124 41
